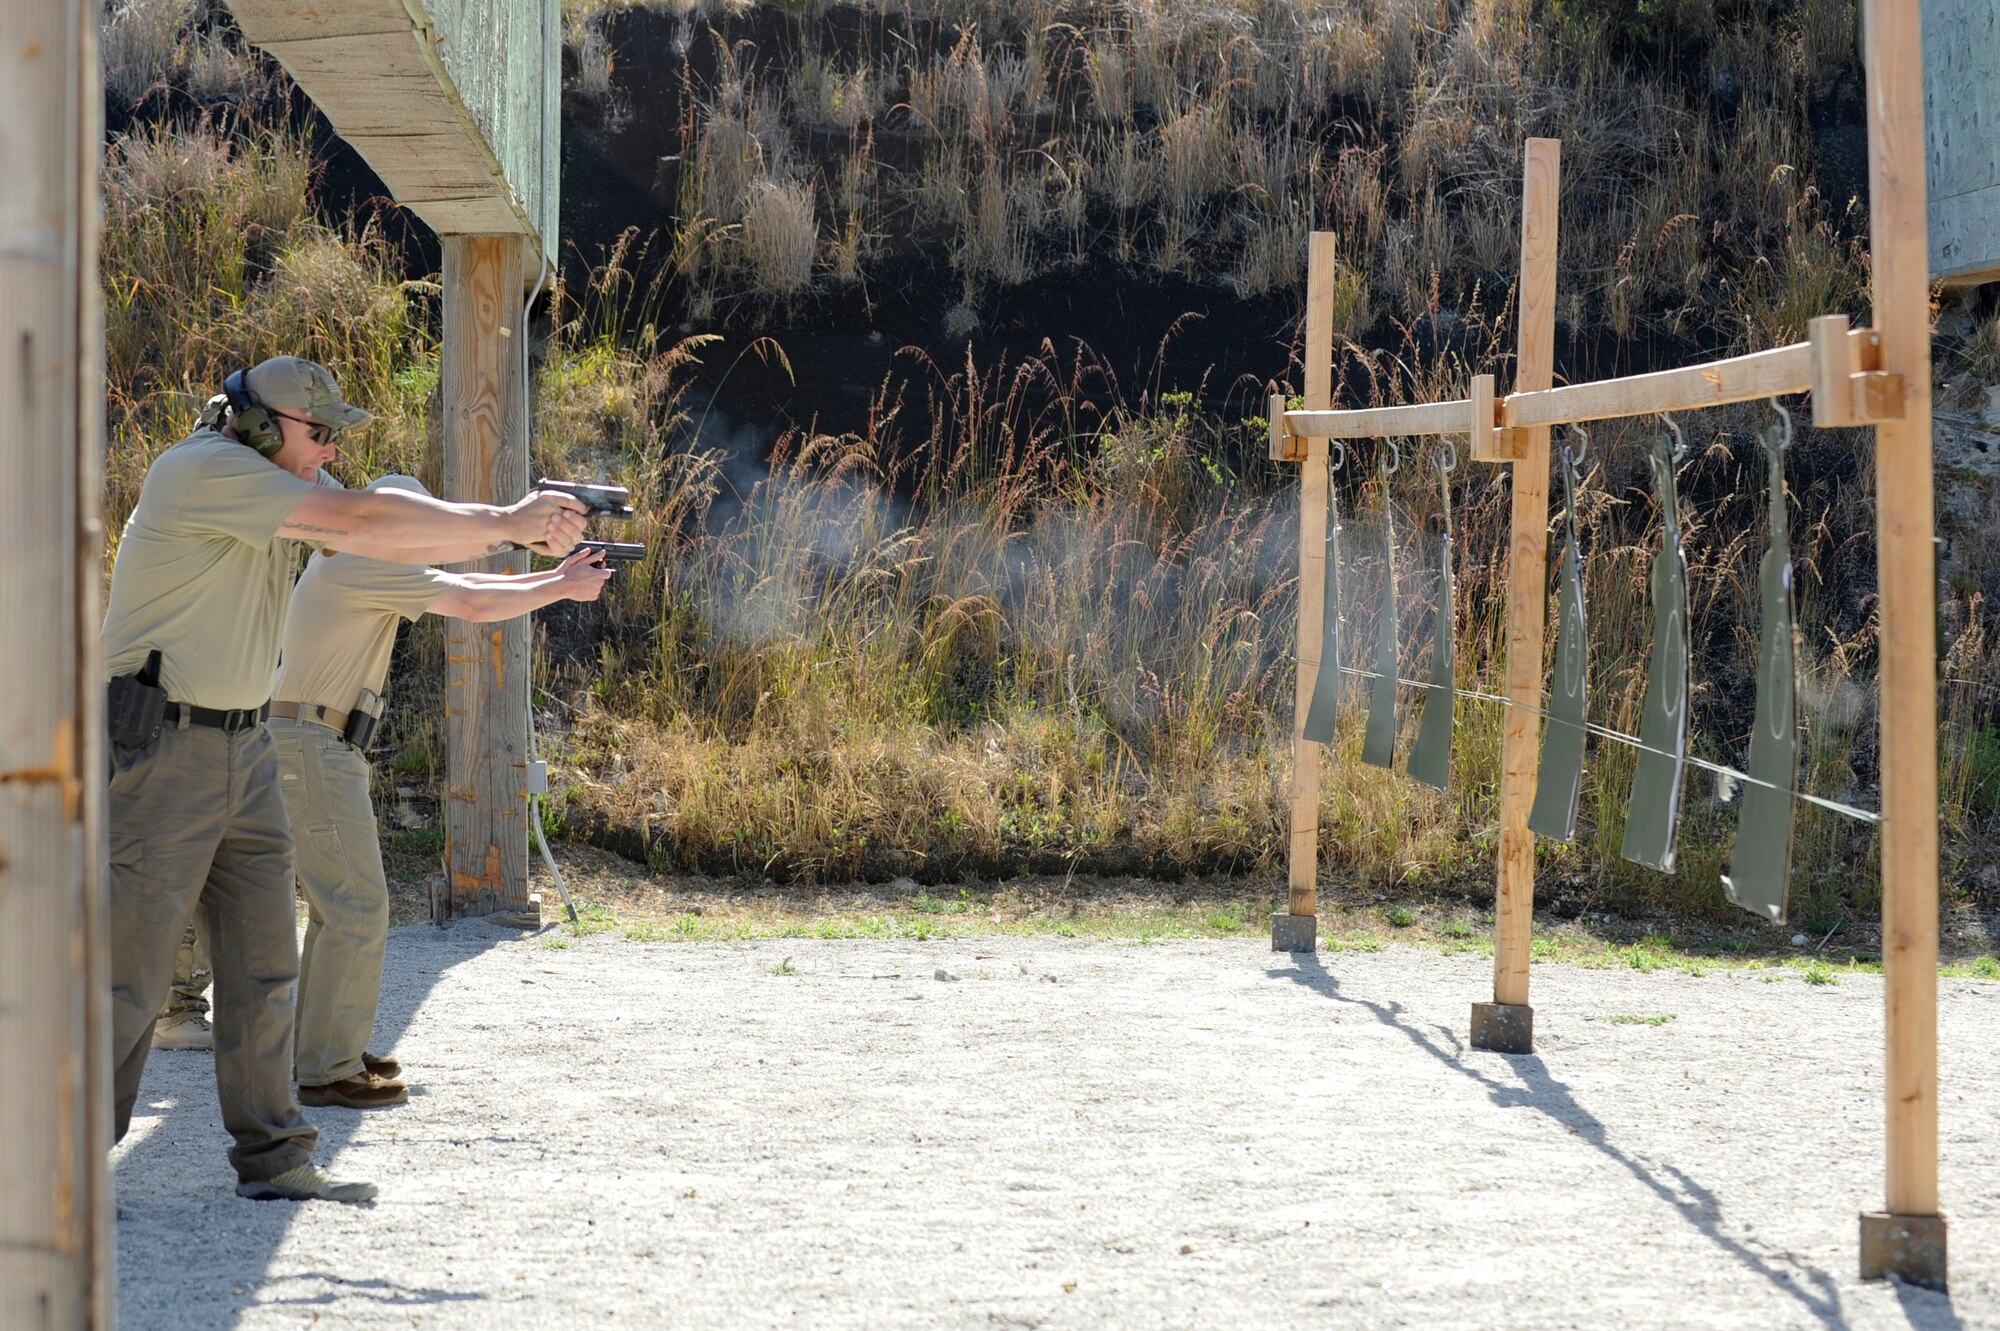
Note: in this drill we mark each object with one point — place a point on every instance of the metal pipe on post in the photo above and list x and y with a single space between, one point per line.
1906 1238
56 1267
486 665
1507 1023
1297 930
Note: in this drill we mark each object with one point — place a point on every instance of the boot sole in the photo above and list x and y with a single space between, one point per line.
272 1192
312 1101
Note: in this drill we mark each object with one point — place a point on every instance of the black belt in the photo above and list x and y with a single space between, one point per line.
242 719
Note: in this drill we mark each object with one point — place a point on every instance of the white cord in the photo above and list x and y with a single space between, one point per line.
538 802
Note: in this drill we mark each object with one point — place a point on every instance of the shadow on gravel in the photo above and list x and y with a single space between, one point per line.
186 1200
1814 1290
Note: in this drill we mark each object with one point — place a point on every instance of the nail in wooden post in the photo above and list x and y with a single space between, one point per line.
1507 1023
1295 930
1908 1239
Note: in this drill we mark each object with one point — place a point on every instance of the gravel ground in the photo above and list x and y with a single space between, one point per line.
1051 1133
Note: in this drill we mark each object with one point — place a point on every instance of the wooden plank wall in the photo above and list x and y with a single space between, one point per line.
505 56
1962 138
482 159
55 1203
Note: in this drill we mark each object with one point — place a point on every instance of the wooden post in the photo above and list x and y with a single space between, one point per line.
486 665
1908 1237
1507 1023
55 1220
1297 929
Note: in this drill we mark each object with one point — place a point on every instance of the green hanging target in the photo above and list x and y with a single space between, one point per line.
1760 863
1653 816
1324 709
1554 811
1430 761
1378 747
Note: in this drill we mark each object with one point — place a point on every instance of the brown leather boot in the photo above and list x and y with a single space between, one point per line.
366 1091
382 1065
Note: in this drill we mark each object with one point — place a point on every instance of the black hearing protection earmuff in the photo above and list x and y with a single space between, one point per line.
255 425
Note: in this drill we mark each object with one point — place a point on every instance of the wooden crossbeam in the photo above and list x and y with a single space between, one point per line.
1384 422
1840 366
1761 374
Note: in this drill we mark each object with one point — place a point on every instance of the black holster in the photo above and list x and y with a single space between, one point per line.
360 729
135 706
362 718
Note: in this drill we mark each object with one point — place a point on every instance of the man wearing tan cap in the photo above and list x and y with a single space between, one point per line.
199 590
332 676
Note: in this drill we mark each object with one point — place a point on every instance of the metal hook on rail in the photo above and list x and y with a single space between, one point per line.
1680 440
1575 459
1394 460
1786 417
1336 453
1446 459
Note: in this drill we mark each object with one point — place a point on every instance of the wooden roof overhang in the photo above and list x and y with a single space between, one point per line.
376 68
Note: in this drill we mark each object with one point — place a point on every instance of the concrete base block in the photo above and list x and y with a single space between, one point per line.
1910 1247
1295 933
1504 1028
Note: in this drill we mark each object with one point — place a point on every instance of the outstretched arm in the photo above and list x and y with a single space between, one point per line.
406 528
501 596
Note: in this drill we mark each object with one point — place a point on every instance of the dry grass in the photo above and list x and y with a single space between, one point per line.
147 46
1057 631
1206 140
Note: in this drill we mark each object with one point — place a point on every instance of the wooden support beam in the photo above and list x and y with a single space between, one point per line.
1489 443
1841 367
1761 374
1303 851
1849 387
1285 445
56 1267
1907 583
1527 578
487 665
1454 417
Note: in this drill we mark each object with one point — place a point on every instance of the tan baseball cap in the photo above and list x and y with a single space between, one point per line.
306 388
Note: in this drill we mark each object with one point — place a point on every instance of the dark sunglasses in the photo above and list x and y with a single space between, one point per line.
320 434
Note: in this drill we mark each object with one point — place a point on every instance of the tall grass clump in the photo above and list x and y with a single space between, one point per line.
213 260
1205 141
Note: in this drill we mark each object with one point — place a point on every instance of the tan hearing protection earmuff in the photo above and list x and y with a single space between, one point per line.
255 425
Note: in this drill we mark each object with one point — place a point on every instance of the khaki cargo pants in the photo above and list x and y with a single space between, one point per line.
325 780
196 823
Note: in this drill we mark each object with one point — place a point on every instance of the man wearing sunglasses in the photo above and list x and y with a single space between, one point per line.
199 590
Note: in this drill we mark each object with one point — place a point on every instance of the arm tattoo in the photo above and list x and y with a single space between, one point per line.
318 531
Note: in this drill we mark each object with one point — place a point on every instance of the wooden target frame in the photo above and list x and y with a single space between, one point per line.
1878 377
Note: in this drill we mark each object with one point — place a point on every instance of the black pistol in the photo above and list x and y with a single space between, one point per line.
615 552
599 501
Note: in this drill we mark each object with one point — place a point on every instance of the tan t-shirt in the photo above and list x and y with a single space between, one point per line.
343 625
202 575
